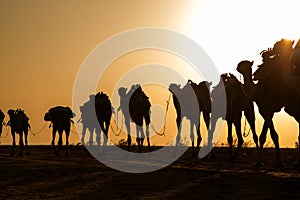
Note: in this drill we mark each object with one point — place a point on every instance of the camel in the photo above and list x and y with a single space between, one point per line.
184 102
272 92
89 121
103 112
60 117
139 110
19 123
236 103
2 116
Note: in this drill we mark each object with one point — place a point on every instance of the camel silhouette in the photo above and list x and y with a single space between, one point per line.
139 110
19 123
2 116
272 92
89 120
186 100
236 103
60 118
103 112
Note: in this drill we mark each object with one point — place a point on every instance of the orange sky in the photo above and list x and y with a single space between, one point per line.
43 44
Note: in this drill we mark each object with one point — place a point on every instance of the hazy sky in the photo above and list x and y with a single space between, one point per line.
43 44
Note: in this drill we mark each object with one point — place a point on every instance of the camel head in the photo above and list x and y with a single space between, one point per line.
48 116
174 88
11 112
245 68
122 91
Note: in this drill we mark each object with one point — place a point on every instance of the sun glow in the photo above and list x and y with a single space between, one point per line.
232 30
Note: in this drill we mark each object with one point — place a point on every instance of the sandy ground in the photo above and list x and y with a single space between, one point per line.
80 176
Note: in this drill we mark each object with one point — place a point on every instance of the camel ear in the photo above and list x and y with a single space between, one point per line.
252 62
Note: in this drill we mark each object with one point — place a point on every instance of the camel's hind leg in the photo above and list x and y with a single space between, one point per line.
140 137
274 136
21 143
192 136
229 139
178 137
262 140
13 134
238 131
84 128
147 120
250 116
105 138
26 141
127 124
199 138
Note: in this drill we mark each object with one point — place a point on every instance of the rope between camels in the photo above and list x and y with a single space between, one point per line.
166 114
117 134
38 132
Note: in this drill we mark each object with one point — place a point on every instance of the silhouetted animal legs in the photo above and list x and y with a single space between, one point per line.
206 117
91 140
147 120
140 137
98 138
262 140
229 139
84 128
250 116
21 143
199 138
192 136
240 138
127 124
274 137
67 141
178 123
26 141
60 132
13 134
53 140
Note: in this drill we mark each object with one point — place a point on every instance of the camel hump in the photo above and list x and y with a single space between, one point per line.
139 93
102 99
58 111
2 116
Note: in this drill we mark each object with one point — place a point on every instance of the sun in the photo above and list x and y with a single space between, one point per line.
234 30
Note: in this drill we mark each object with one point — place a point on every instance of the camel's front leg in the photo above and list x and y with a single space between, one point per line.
67 141
60 141
53 140
262 140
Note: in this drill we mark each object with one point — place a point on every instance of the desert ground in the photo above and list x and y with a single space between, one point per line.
42 175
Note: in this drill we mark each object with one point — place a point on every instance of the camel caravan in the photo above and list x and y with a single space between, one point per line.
273 86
